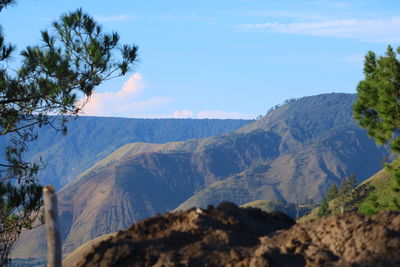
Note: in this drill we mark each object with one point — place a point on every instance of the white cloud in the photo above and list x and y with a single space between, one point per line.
135 109
218 114
117 18
182 114
374 30
297 14
128 102
124 102
208 114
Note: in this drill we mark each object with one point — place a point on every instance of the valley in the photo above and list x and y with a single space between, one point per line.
292 154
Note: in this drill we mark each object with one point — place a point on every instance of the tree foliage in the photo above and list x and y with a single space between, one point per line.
377 108
374 202
395 173
323 209
347 184
72 59
339 195
333 192
19 208
371 205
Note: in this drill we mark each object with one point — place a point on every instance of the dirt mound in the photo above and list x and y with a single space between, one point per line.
229 235
340 240
197 237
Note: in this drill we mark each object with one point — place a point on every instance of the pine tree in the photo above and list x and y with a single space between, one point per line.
74 57
377 108
396 189
347 184
333 192
352 182
395 173
371 205
323 209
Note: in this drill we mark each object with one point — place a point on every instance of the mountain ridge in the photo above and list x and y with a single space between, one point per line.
91 139
274 158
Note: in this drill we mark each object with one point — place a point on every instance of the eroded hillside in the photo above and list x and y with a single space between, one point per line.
293 153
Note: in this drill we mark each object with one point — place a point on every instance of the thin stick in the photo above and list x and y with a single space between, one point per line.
52 224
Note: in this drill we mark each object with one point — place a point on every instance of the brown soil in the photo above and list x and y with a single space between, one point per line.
340 240
197 237
230 236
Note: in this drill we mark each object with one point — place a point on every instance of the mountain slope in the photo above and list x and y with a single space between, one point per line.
293 176
293 153
381 184
90 139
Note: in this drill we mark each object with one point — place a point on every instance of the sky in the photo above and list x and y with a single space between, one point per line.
222 58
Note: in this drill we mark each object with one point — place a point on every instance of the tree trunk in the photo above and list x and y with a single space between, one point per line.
52 225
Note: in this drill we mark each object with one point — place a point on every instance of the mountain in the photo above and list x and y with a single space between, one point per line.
292 154
319 144
90 139
297 175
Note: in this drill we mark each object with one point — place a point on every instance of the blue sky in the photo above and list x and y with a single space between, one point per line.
223 59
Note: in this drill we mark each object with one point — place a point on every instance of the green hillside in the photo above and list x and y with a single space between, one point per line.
381 184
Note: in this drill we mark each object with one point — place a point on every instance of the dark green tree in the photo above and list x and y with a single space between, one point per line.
347 184
377 108
396 189
372 205
333 192
395 173
73 58
323 209
351 181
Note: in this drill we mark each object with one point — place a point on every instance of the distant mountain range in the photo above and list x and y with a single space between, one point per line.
90 139
292 154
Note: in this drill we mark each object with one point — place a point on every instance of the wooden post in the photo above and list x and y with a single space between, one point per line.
52 224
